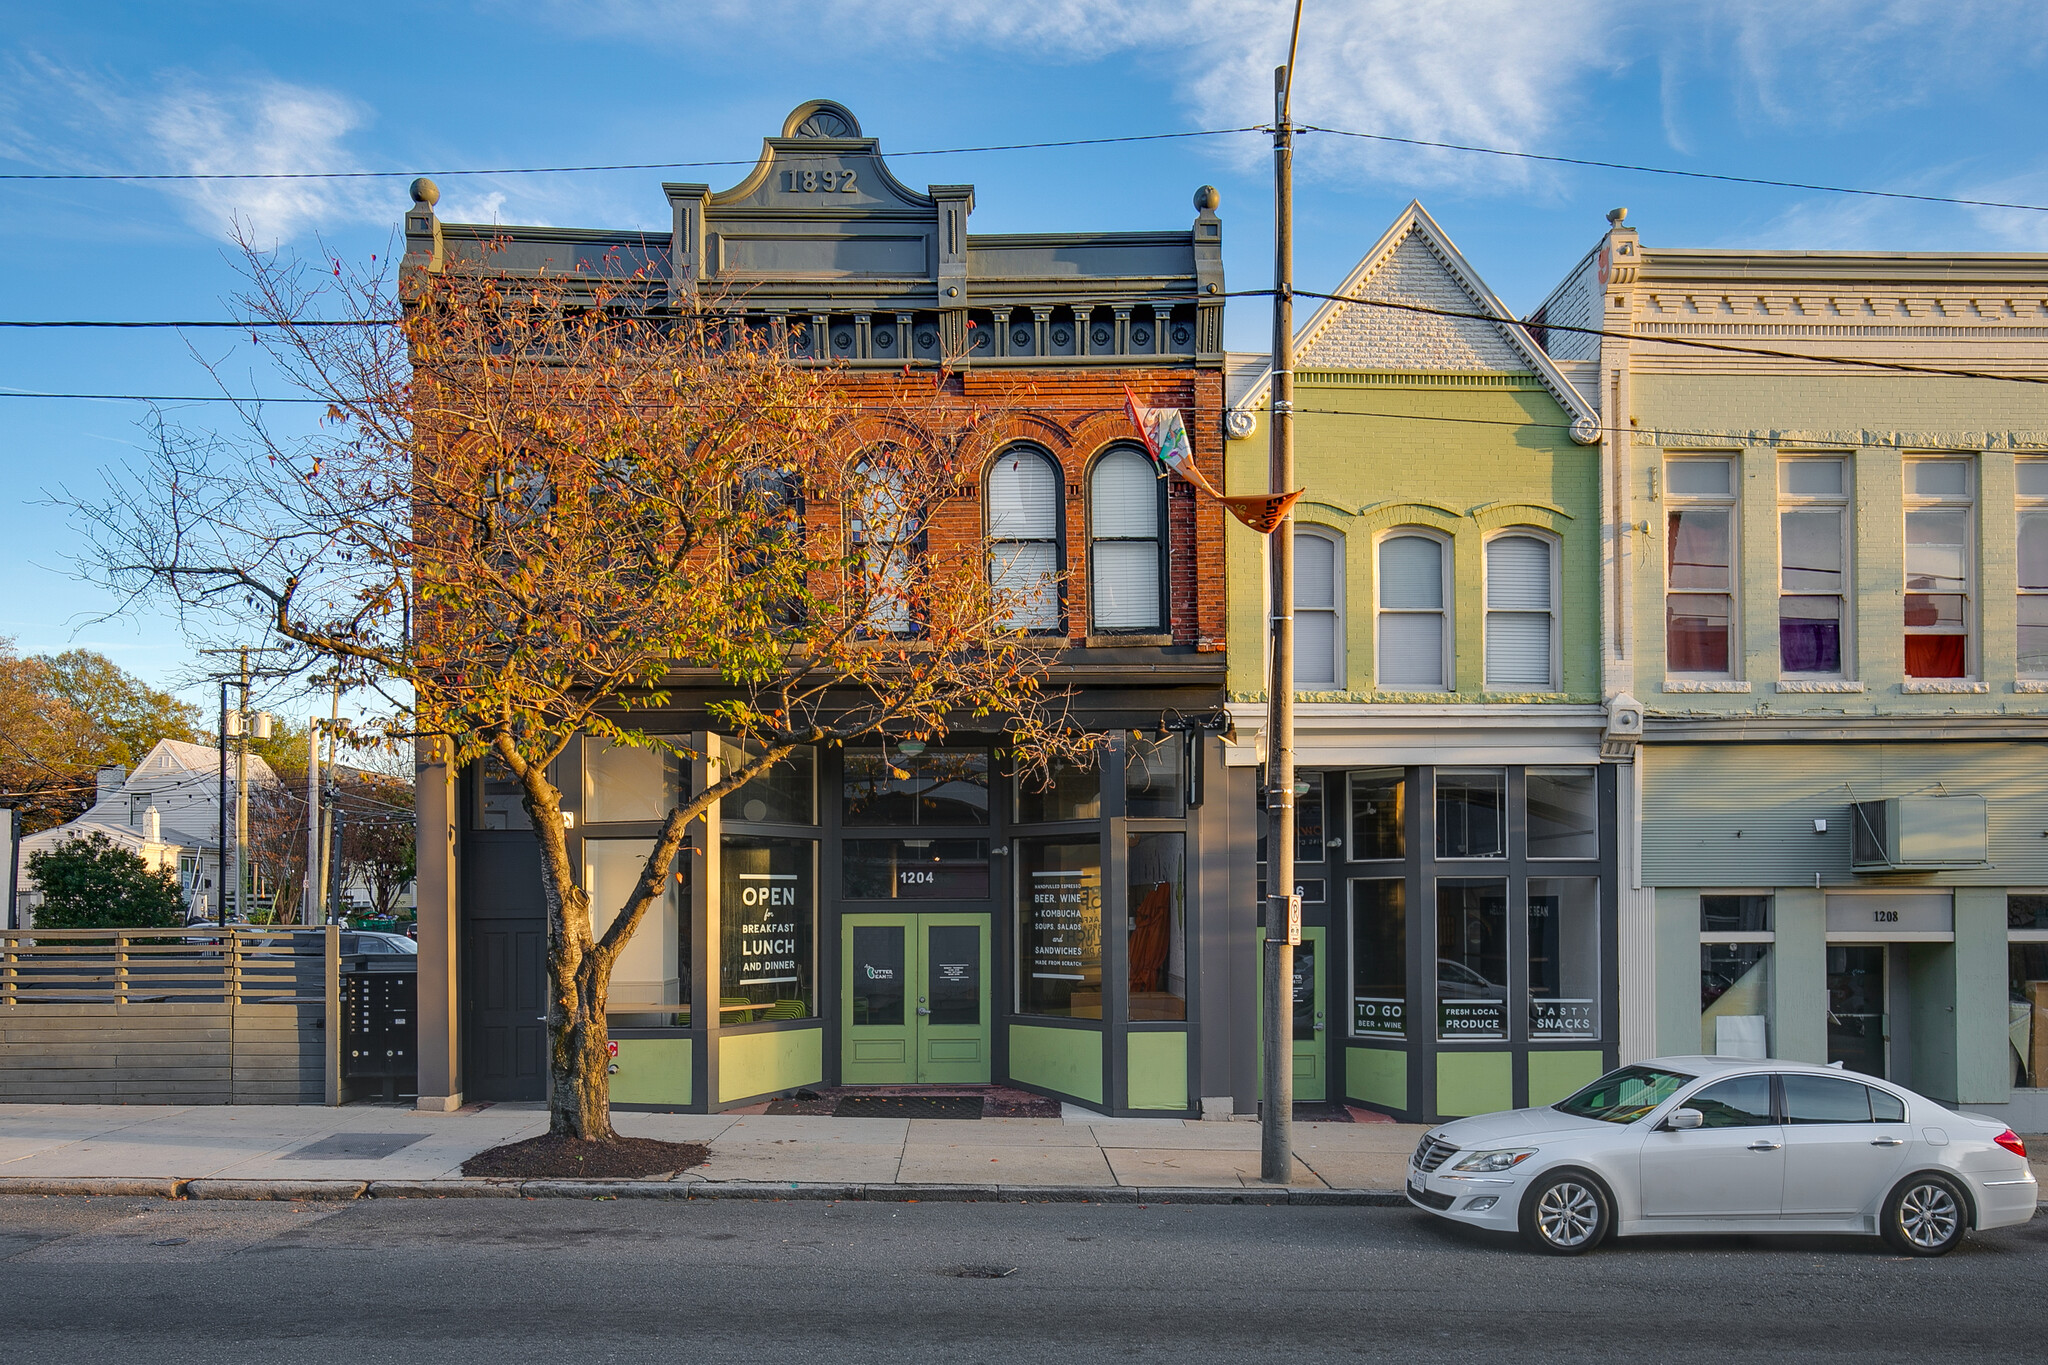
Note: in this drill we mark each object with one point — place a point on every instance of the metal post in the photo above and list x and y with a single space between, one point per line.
334 870
1276 1145
242 793
220 862
311 898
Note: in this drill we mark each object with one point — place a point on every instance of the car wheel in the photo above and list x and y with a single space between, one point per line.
1925 1216
1566 1214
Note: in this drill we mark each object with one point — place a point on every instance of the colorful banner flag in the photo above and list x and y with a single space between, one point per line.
1166 438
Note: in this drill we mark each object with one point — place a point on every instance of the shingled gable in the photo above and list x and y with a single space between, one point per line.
1415 262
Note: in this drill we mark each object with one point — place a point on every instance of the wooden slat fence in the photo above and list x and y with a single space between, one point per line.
169 1016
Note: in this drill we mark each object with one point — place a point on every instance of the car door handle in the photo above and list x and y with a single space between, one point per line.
1764 1146
1887 1142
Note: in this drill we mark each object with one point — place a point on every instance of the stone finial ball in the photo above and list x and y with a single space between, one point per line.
425 191
1207 199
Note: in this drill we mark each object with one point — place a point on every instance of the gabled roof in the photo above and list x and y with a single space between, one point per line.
1415 262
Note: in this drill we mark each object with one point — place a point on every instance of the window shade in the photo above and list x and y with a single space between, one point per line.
1315 571
1023 497
1025 573
1315 649
1518 649
1411 572
1127 585
1412 649
1124 496
1518 574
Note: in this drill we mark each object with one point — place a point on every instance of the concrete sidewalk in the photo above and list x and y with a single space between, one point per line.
269 1152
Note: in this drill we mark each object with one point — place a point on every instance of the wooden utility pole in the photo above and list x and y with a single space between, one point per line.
1283 910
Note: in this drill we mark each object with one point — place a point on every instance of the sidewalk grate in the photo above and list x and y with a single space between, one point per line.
354 1146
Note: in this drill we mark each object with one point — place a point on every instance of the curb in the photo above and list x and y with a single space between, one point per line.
689 1190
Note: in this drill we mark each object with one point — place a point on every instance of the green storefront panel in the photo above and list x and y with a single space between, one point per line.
1474 1083
1553 1075
760 1063
1376 1076
1068 1060
653 1071
1157 1070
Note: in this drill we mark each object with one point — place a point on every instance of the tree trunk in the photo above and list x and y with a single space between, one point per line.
579 1094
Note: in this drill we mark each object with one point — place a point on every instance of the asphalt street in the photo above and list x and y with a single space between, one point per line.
133 1279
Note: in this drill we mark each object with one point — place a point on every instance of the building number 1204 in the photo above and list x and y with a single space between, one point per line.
819 182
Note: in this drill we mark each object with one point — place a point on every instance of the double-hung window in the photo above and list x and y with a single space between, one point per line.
2032 479
1939 568
1699 557
1125 512
1024 540
1813 562
1414 636
889 532
1318 610
1521 613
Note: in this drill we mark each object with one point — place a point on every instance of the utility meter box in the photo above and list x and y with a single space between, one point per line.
1919 834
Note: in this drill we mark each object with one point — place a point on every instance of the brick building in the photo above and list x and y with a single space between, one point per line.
935 923
1828 585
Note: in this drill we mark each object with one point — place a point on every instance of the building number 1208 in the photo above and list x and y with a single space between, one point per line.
815 182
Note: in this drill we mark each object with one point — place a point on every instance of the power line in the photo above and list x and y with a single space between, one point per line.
621 166
1666 170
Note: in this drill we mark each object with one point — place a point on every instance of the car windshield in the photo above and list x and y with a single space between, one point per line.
1623 1096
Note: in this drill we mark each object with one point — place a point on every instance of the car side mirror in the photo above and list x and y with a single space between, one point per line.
1685 1118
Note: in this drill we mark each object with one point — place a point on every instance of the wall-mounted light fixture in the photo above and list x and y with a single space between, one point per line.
1820 826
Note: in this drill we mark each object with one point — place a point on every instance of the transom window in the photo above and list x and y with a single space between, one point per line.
1125 512
1024 558
1939 568
1699 548
1414 636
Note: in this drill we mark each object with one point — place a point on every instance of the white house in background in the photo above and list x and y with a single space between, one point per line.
167 810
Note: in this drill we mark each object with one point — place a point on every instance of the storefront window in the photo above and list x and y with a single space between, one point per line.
500 800
1379 959
767 915
1735 914
1469 806
1155 892
2026 917
1564 813
1071 791
929 787
916 869
1379 814
784 795
1735 999
622 783
1155 778
653 969
1059 928
1472 957
1308 823
1564 957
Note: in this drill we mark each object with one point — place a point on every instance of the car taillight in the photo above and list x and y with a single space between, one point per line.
2011 1142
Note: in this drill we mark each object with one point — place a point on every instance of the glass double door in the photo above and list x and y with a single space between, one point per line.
1311 1056
914 1000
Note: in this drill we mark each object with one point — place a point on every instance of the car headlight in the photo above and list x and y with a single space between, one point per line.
1495 1161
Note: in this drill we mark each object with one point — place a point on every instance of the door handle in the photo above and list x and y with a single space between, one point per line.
1763 1146
922 1010
1887 1142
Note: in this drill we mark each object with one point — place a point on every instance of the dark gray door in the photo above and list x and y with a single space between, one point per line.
504 946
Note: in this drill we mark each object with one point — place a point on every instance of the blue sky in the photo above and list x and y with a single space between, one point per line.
1938 98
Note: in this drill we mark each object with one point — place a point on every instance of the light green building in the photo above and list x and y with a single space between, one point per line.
1828 584
1460 838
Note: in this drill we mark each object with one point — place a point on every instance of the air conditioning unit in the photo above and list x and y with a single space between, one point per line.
1918 834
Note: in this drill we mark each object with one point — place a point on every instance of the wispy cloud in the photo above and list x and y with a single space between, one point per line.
65 118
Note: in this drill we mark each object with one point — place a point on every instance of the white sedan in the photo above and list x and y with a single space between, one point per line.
1724 1144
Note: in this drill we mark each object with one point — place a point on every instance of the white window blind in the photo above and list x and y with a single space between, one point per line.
1318 634
1411 616
1024 530
1519 613
1123 512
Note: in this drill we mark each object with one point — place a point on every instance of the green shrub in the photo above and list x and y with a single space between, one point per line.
94 883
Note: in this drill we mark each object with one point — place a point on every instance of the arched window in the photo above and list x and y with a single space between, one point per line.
1318 610
1521 613
1126 501
1413 632
1024 559
889 531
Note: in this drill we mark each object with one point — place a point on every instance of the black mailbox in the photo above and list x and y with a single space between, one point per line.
379 1024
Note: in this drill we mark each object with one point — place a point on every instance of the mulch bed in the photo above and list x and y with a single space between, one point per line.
997 1101
552 1157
